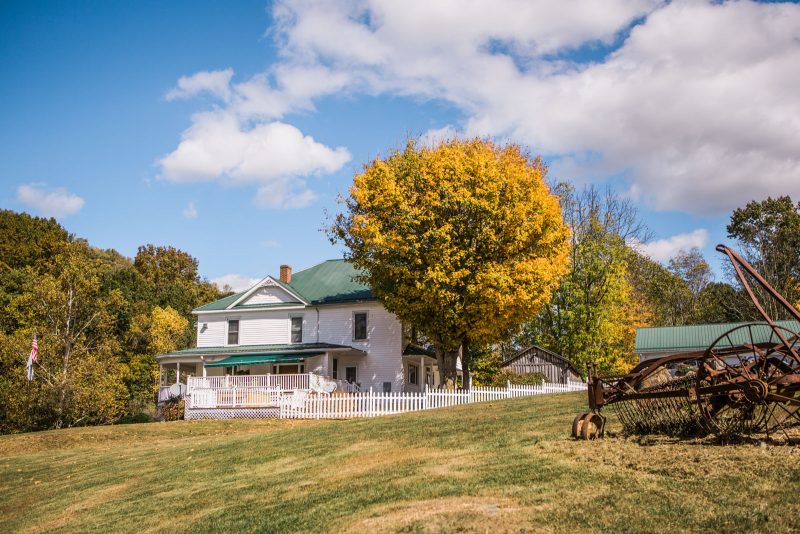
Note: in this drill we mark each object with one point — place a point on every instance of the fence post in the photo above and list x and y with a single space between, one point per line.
425 398
371 403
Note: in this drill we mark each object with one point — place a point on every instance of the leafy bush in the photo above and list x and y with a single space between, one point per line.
135 418
502 378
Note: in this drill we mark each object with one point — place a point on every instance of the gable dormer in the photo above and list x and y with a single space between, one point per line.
267 292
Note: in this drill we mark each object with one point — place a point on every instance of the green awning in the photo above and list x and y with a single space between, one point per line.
263 358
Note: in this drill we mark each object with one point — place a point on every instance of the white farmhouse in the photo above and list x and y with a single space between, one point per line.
300 329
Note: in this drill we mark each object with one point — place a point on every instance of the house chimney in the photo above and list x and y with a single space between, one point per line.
286 274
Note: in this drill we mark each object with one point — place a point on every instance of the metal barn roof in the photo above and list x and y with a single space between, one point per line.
699 337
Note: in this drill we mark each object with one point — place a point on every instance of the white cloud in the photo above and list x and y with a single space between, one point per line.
237 282
664 249
190 211
270 243
50 202
217 83
279 194
698 108
276 155
437 135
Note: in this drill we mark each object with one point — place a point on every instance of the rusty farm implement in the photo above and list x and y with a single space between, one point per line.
747 381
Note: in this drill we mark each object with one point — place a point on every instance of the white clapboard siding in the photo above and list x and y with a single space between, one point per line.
269 295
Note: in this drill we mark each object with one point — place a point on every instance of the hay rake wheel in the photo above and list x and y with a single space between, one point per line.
588 426
763 372
747 381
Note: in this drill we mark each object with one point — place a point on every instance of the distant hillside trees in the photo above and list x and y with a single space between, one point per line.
100 319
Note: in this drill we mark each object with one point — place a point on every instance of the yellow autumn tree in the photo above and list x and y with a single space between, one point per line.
463 240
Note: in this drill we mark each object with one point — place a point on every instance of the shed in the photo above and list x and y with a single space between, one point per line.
535 359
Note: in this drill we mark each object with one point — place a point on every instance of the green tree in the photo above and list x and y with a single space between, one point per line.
768 235
463 240
719 302
80 378
173 281
160 331
593 314
27 241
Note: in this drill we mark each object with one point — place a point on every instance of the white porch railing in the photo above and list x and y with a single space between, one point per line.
241 397
250 391
274 382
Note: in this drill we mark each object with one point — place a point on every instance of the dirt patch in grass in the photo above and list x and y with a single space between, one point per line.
466 514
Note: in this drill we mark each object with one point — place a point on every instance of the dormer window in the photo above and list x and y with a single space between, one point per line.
233 332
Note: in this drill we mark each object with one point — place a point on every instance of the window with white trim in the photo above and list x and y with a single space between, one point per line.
297 329
360 326
413 374
350 374
233 332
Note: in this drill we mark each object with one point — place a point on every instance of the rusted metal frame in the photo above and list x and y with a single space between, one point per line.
774 397
738 263
686 393
728 368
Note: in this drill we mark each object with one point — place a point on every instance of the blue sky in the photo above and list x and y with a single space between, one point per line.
149 122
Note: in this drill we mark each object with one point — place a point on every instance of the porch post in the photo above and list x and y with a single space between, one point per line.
178 374
160 376
421 372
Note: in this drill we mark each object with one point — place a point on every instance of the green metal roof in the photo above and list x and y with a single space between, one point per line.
263 358
255 350
415 350
330 281
699 337
271 305
220 304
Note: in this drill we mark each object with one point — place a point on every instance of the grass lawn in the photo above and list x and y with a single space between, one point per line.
502 466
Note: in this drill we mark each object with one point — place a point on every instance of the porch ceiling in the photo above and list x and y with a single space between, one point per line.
263 358
260 350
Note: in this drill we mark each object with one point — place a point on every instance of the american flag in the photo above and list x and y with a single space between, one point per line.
32 357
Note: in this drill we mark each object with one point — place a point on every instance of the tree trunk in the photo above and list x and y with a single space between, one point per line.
466 361
446 362
449 373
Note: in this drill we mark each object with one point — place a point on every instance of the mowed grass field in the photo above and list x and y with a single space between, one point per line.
502 466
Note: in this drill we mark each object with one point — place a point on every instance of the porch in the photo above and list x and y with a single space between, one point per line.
251 375
257 391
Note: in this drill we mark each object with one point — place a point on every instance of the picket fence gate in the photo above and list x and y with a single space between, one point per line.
302 405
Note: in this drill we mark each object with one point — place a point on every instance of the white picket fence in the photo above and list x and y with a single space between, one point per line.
302 405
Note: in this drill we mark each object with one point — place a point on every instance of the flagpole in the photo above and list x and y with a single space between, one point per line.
28 386
28 402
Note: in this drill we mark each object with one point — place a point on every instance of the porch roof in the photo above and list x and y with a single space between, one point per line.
259 350
263 358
